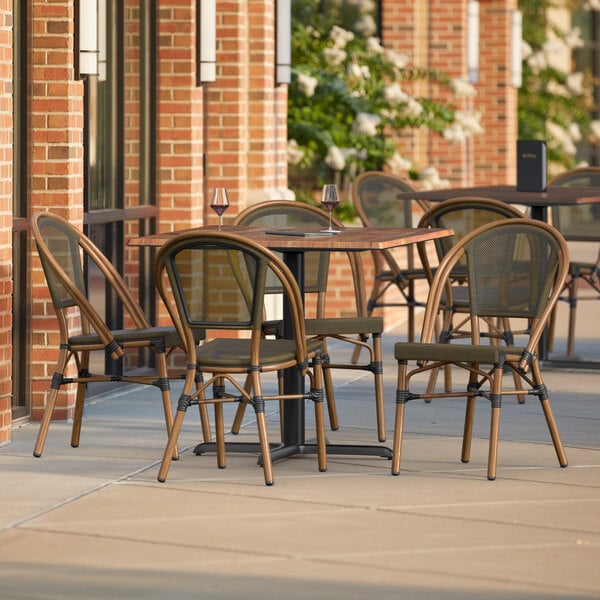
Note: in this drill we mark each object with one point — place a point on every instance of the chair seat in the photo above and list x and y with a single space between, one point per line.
169 334
409 274
230 353
454 352
331 326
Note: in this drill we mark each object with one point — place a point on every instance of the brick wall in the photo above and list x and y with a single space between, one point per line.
6 190
56 169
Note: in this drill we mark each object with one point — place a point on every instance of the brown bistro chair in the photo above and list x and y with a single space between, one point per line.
579 223
214 286
515 268
374 195
356 329
65 252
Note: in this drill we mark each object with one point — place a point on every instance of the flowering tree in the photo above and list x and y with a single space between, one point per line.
556 101
348 102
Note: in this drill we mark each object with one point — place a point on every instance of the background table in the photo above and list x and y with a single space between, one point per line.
293 247
539 202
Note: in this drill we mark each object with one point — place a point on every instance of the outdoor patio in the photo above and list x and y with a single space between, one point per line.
93 522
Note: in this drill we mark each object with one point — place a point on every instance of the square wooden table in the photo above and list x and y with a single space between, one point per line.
293 243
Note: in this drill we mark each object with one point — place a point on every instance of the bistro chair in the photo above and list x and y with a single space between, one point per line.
515 268
374 195
355 329
579 223
462 215
214 284
65 254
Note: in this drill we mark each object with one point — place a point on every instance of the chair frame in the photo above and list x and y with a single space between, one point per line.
588 272
388 272
324 328
470 357
73 309
263 355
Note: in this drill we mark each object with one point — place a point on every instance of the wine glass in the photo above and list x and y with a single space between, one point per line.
219 202
330 200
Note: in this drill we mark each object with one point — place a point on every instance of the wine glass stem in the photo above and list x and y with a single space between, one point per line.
220 222
330 228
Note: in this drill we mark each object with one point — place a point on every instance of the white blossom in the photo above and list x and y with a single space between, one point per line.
575 132
562 137
595 129
294 154
374 45
334 57
340 37
573 38
575 82
413 108
307 84
359 71
366 25
394 95
526 50
398 164
366 124
398 60
462 88
335 159
592 5
430 179
537 62
556 89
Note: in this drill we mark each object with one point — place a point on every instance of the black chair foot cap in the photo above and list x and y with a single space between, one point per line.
74 445
160 480
37 454
492 478
269 483
381 439
222 466
323 470
564 466
395 473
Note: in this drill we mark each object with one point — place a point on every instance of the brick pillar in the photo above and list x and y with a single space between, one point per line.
56 170
6 194
434 35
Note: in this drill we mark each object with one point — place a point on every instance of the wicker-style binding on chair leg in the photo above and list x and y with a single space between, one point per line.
64 253
214 285
515 268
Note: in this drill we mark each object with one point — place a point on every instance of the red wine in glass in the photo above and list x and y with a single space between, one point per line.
219 202
330 199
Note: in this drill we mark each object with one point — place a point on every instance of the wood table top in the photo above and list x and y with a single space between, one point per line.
287 238
555 195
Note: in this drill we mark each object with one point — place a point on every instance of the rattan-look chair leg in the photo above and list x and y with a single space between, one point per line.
401 394
241 409
171 445
379 394
78 415
330 395
465 455
549 416
61 365
220 436
496 401
572 315
265 450
319 414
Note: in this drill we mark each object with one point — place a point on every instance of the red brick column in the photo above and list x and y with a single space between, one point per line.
6 194
56 169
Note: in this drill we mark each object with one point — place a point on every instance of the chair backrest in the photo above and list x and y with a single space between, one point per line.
290 213
63 251
374 195
580 222
217 281
463 215
516 268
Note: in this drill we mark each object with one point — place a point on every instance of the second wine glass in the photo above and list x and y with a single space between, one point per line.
330 200
219 202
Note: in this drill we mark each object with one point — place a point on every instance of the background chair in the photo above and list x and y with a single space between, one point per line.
374 195
580 223
516 268
462 215
65 252
214 284
356 329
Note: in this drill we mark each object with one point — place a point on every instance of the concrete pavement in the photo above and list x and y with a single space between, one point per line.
93 522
